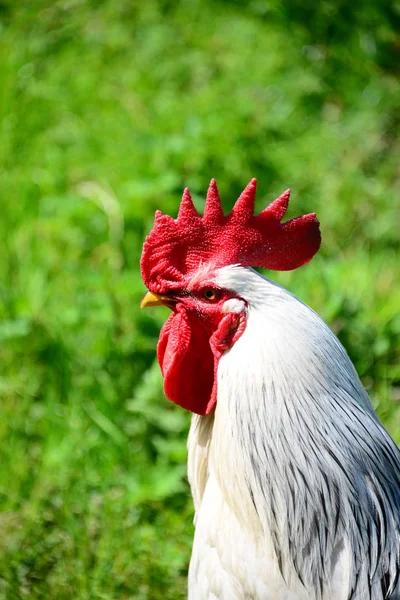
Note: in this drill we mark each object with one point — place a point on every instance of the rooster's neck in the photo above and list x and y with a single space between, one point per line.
288 400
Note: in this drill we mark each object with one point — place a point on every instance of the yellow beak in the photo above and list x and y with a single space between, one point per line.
150 299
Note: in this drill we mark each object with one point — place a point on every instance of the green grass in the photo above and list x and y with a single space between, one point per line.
107 110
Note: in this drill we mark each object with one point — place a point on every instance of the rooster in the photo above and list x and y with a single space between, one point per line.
295 482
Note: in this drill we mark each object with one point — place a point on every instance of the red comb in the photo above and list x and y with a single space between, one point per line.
176 247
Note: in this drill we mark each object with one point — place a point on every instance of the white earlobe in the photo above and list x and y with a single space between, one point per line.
233 305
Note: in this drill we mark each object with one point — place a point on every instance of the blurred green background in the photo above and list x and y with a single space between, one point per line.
107 110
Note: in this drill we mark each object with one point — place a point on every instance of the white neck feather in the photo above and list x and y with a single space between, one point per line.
285 349
288 401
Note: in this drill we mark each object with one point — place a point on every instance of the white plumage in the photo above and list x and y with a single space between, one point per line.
295 481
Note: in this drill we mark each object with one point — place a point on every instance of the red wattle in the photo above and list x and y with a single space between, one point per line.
189 353
187 363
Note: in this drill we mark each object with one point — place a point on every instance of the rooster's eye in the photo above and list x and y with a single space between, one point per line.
210 294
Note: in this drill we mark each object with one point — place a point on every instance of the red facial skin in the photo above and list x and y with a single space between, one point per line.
192 342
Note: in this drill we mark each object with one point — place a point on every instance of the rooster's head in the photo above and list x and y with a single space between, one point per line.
180 264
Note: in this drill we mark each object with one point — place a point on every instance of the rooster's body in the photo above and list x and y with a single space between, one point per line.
296 483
